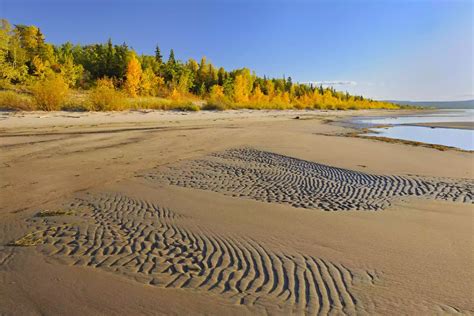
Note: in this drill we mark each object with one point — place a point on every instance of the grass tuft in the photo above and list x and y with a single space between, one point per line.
214 106
11 100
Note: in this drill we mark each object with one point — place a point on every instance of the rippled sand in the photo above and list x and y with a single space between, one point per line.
228 213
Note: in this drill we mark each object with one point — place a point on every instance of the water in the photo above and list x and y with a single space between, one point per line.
459 138
439 116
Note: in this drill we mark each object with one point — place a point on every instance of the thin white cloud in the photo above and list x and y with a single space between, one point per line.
332 83
467 95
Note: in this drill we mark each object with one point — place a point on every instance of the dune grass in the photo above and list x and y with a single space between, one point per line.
11 100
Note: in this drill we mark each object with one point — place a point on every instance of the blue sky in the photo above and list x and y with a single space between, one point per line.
405 50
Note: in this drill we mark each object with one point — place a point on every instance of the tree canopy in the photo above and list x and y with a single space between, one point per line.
26 58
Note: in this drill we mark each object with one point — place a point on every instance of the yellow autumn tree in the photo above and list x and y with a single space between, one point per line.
133 77
257 98
40 68
217 99
329 101
184 82
70 71
175 95
216 95
159 87
241 93
150 84
104 96
270 87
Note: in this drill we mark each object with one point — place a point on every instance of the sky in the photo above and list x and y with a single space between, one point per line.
392 50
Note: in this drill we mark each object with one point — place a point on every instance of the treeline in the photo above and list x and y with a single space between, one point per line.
110 77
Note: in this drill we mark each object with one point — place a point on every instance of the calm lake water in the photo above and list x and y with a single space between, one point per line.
460 138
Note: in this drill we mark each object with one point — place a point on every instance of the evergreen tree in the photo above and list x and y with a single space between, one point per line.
289 84
221 76
158 56
171 59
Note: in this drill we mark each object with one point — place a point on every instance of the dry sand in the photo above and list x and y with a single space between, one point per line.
236 212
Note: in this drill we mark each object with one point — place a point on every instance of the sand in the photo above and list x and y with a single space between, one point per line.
240 212
459 125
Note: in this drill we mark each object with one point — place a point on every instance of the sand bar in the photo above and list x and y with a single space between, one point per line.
458 125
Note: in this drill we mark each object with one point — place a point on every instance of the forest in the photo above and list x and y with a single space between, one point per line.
36 75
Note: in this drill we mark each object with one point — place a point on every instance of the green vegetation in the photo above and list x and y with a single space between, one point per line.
35 75
104 96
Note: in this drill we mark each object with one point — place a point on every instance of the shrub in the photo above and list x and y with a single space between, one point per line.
10 100
75 107
49 94
214 106
77 102
183 106
104 97
154 103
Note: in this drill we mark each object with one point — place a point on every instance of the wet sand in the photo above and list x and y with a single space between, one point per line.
240 212
458 125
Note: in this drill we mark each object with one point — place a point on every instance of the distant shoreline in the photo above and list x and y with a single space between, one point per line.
442 105
455 125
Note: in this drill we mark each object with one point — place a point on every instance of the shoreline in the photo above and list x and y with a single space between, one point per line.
363 129
468 125
17 119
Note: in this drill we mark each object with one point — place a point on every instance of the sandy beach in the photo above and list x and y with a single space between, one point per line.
233 212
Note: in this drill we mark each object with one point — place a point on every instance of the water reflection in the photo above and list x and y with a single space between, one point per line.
459 138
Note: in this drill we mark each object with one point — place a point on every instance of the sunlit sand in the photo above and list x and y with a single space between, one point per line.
229 213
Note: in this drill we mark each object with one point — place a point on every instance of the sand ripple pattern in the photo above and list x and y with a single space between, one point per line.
270 177
156 246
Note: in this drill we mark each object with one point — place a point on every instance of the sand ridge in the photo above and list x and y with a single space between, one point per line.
156 246
270 177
